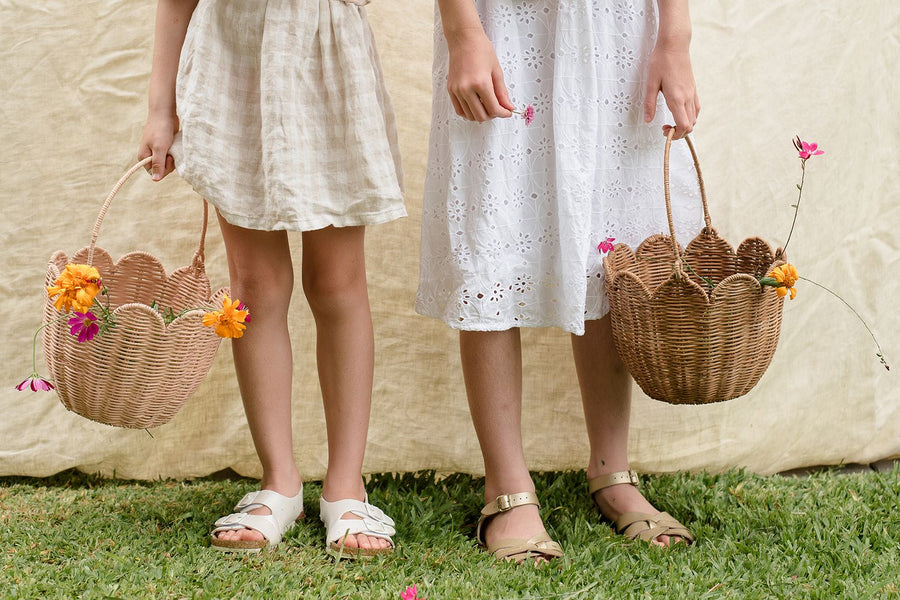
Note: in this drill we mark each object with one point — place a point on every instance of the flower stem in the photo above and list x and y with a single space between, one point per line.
796 209
706 280
858 316
34 341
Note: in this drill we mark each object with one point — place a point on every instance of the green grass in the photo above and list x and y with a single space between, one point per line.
828 535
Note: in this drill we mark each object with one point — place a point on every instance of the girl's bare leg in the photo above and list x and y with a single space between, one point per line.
492 367
606 396
334 281
259 263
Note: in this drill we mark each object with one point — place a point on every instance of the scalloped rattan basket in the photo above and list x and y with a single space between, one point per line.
140 373
693 325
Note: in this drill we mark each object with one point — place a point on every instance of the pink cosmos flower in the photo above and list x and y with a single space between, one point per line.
606 245
807 149
36 383
529 114
84 326
242 306
411 593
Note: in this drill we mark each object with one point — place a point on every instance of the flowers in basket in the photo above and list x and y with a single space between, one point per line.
783 276
81 298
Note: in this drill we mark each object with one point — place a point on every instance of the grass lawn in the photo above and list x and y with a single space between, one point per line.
827 535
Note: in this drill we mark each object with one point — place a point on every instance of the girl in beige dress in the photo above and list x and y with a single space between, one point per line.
275 111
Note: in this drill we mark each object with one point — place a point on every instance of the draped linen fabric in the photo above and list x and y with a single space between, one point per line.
74 104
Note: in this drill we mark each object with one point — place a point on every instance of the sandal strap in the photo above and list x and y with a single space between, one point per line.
604 481
521 550
372 522
264 524
507 502
501 504
648 527
284 512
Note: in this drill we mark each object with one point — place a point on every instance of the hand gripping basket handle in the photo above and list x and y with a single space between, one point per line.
196 262
669 135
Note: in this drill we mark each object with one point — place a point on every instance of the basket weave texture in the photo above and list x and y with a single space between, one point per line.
140 373
683 340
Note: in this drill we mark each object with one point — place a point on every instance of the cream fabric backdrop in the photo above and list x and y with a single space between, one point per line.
74 96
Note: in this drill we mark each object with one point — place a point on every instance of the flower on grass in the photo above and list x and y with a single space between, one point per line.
35 383
806 149
228 322
84 326
75 288
606 245
411 593
782 278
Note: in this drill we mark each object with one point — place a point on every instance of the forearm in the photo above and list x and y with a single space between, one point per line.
674 23
460 21
172 18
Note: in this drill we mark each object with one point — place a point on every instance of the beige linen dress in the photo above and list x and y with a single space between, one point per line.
285 120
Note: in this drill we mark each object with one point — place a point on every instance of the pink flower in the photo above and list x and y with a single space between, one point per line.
606 245
529 114
242 306
84 326
36 383
411 593
807 149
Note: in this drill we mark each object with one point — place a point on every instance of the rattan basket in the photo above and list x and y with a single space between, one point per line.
140 373
693 325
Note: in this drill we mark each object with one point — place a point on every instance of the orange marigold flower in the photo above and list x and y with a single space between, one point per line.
228 322
76 287
786 276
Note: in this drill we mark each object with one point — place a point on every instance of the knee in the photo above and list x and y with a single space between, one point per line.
334 290
263 286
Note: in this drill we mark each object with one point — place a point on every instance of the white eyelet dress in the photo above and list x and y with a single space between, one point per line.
513 214
285 120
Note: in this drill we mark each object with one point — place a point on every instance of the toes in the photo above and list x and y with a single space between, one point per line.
349 541
240 535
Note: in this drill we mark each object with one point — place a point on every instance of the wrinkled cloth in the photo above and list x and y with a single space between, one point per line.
285 120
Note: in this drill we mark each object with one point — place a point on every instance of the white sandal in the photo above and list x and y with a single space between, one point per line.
285 512
372 522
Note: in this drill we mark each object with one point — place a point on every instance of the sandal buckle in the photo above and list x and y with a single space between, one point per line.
503 503
633 478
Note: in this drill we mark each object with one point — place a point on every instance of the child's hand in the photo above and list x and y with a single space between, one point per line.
670 73
475 82
156 141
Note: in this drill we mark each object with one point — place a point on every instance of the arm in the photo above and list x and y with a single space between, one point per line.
670 68
172 18
475 80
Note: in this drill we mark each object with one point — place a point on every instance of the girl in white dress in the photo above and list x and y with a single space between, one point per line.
514 213
275 111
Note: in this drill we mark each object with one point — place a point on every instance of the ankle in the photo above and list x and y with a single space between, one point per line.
286 483
347 488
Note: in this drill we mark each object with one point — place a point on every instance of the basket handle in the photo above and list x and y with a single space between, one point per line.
196 262
669 135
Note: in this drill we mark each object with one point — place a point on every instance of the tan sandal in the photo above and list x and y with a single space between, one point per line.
635 525
513 549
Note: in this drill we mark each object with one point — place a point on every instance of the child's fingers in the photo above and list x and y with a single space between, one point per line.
170 164
651 95
158 164
490 106
457 107
502 94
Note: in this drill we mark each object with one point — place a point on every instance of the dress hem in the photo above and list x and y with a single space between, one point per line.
504 326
